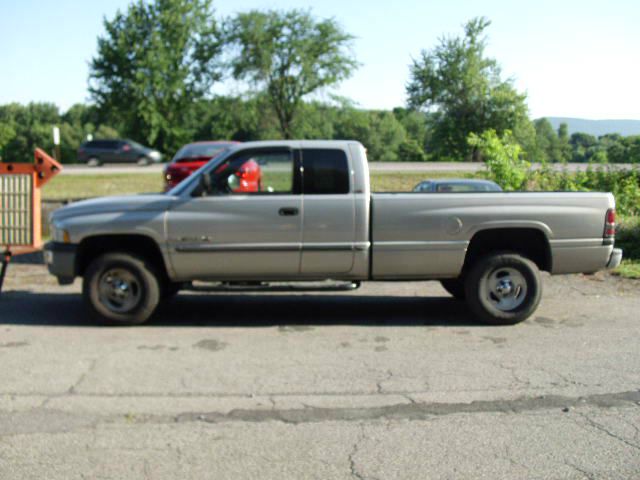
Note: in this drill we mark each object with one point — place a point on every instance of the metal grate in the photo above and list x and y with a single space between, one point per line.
16 215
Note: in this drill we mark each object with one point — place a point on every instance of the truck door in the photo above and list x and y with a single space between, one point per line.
329 212
248 225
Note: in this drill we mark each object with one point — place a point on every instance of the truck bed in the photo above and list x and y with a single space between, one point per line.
426 235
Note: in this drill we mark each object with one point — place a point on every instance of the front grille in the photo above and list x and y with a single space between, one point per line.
16 213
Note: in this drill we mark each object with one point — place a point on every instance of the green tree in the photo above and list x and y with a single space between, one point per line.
154 62
547 147
379 131
7 133
288 56
615 146
416 126
583 146
32 127
564 147
462 89
633 149
503 158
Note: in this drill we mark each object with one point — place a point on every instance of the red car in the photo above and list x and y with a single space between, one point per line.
247 178
190 158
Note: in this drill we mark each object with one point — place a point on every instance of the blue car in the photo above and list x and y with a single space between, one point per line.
456 185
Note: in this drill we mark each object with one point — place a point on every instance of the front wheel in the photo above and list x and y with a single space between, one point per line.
121 289
503 289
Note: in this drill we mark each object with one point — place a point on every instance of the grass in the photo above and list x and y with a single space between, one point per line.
405 181
628 238
628 269
73 187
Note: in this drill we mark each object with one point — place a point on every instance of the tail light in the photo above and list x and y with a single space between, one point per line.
610 225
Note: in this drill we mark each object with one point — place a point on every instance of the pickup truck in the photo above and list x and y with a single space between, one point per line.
314 218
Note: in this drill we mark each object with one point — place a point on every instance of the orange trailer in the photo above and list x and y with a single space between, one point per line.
20 205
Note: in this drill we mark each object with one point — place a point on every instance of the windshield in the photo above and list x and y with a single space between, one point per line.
136 145
199 150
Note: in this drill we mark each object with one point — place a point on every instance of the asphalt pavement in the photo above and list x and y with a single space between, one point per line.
392 381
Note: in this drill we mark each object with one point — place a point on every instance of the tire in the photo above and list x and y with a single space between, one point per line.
503 289
143 162
121 289
94 162
170 290
455 287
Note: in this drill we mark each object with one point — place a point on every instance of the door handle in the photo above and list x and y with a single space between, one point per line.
288 211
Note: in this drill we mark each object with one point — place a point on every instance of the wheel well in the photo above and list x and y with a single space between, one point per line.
140 245
528 242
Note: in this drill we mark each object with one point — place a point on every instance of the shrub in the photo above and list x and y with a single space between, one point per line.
628 237
502 157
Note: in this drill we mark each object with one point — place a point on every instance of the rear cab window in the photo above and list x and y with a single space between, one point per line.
325 171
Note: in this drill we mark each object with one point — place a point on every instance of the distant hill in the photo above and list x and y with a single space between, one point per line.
598 127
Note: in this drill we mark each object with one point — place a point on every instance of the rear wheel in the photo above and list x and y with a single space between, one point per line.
94 162
503 289
455 286
121 289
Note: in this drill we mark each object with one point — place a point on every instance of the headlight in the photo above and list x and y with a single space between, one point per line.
59 234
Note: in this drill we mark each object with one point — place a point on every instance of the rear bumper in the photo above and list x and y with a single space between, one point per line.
61 261
615 259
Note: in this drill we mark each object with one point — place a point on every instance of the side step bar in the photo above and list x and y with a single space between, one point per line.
272 287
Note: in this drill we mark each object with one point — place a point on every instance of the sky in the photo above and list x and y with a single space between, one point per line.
572 58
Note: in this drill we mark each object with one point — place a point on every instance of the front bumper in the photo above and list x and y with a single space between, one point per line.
615 259
61 261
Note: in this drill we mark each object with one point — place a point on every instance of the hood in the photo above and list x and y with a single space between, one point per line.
152 202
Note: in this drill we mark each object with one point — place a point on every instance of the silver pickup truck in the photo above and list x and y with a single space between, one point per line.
303 211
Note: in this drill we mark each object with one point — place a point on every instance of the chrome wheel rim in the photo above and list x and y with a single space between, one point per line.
119 290
506 289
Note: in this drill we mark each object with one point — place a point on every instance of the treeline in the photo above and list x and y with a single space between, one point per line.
157 63
389 136
557 146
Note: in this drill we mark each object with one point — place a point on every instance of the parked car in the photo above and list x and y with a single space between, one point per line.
97 152
314 217
190 158
456 185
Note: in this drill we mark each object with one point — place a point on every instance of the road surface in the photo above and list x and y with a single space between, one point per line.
394 381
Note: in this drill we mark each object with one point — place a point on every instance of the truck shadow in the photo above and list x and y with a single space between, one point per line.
244 310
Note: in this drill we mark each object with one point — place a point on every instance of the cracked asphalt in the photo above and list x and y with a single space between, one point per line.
393 381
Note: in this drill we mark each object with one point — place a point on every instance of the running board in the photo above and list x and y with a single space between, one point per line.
272 287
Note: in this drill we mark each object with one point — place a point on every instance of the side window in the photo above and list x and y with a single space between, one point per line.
326 171
255 172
